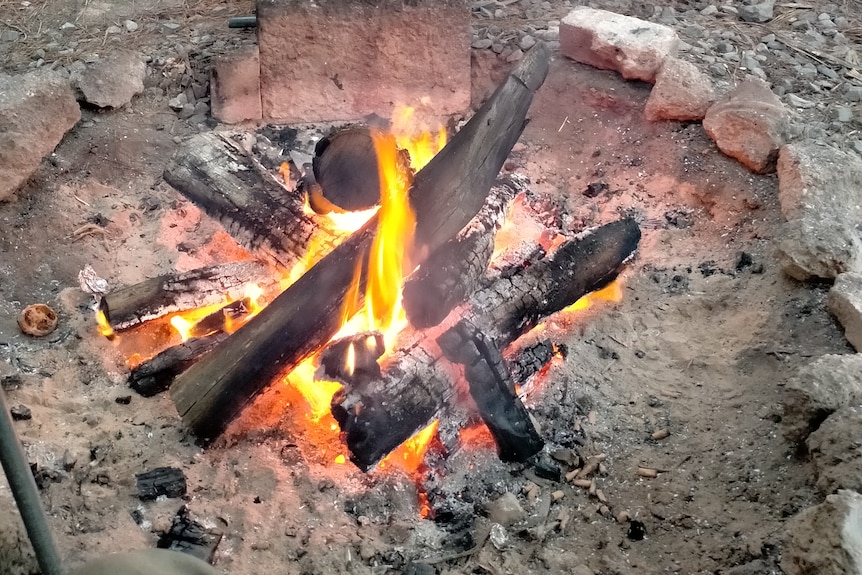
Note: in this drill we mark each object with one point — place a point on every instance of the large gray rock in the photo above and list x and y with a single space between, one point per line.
825 539
112 81
36 109
759 12
635 48
845 303
820 192
819 389
681 92
836 448
748 124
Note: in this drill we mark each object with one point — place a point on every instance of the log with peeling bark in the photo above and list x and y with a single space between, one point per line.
446 194
156 297
157 373
493 390
453 271
213 171
417 383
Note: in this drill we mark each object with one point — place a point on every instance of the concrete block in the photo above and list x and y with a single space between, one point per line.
235 86
346 59
635 48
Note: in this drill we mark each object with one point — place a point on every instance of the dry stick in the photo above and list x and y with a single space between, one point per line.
446 194
26 495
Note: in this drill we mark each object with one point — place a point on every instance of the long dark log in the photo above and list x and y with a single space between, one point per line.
211 170
390 410
453 272
170 293
307 314
156 374
493 390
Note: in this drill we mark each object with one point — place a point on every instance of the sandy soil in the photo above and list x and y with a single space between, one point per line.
700 345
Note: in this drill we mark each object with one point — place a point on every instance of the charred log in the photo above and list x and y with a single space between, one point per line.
167 481
211 170
532 359
453 271
446 194
188 536
170 293
388 411
493 390
345 169
156 374
353 358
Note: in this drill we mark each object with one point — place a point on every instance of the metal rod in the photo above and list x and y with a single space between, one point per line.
26 495
242 22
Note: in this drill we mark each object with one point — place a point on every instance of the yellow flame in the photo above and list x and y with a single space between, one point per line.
183 326
410 455
104 325
350 360
612 292
340 459
318 394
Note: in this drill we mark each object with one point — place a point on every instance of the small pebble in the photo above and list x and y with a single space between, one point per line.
21 413
131 25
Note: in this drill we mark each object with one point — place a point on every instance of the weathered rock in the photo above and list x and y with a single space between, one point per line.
836 448
505 510
748 124
760 12
681 92
825 539
36 109
845 303
818 390
820 192
112 81
235 86
635 48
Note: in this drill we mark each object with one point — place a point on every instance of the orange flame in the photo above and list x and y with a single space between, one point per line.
410 455
104 325
318 394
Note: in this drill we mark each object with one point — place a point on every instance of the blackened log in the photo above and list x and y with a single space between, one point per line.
212 171
353 358
453 271
229 314
345 169
156 374
167 481
493 390
188 536
386 412
156 297
211 393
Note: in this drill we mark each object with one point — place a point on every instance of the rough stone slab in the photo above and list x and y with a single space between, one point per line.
235 86
820 192
825 539
748 125
681 92
36 109
635 48
836 448
845 303
112 81
346 59
818 390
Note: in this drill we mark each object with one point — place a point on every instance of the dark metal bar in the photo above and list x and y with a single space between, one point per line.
242 22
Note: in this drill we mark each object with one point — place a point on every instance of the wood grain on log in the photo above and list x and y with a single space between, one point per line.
445 195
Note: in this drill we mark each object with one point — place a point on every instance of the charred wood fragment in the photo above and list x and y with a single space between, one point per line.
167 481
188 536
214 172
527 362
345 170
157 373
493 390
156 297
446 194
353 358
454 270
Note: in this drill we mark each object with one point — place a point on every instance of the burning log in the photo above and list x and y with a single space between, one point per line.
345 169
156 374
257 211
493 391
153 298
446 194
388 411
532 359
453 272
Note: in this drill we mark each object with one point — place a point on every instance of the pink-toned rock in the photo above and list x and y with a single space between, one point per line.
748 124
845 303
681 92
825 539
346 59
635 48
235 86
36 110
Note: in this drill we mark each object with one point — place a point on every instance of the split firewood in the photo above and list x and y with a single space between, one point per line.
445 195
453 271
156 297
212 170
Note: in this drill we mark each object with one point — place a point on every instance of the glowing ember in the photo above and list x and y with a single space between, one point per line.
410 455
318 394
612 292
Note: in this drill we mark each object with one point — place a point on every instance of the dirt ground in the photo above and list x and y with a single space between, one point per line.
706 334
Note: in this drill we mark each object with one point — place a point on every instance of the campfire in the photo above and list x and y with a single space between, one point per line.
379 287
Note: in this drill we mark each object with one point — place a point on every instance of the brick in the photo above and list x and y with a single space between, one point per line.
346 59
235 86
635 48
